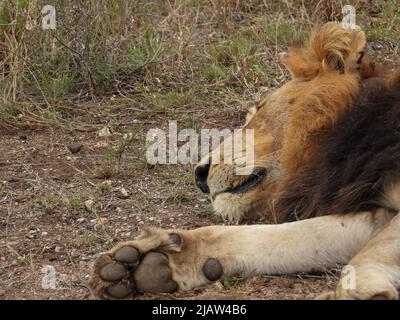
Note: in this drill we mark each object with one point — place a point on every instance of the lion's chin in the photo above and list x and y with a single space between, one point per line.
237 208
230 208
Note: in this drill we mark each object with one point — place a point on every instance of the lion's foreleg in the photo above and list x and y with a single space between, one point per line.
308 245
375 271
168 260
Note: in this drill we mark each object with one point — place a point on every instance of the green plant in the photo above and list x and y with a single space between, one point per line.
103 187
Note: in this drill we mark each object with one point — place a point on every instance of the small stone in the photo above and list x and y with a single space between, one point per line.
57 249
80 220
105 132
32 234
89 204
123 193
103 220
75 147
44 233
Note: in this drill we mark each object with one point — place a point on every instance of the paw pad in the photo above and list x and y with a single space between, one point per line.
212 269
127 255
125 272
120 290
112 272
153 275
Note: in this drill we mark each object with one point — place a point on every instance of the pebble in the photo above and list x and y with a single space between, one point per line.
57 249
80 220
89 204
123 193
103 220
32 234
105 132
75 147
44 233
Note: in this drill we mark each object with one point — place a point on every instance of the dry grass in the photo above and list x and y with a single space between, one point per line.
157 57
160 56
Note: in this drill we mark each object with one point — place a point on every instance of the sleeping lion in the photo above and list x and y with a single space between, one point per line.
327 147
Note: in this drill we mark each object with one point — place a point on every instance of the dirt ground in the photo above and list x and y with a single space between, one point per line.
60 209
46 219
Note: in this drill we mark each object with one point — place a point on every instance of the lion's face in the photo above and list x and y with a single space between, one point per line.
234 196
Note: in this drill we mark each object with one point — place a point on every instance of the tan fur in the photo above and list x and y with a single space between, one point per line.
290 123
308 245
376 268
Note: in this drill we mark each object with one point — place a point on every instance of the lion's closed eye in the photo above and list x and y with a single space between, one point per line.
361 56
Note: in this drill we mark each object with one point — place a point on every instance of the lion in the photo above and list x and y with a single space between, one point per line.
326 153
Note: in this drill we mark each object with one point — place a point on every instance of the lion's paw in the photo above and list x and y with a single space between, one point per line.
136 266
364 292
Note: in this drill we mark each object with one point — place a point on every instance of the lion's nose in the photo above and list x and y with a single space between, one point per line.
201 174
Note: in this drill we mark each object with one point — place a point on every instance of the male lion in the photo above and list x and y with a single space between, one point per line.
318 151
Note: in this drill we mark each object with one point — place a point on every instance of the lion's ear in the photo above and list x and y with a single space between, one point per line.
334 61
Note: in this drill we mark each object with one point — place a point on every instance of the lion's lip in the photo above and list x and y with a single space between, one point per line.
252 180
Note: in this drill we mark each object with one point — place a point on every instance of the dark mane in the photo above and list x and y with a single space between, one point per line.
360 157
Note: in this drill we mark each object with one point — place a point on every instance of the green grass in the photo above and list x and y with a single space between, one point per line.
384 25
168 102
87 240
144 51
166 57
75 202
26 259
178 198
47 202
231 283
9 110
103 188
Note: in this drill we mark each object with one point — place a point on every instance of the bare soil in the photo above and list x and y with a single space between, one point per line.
44 221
